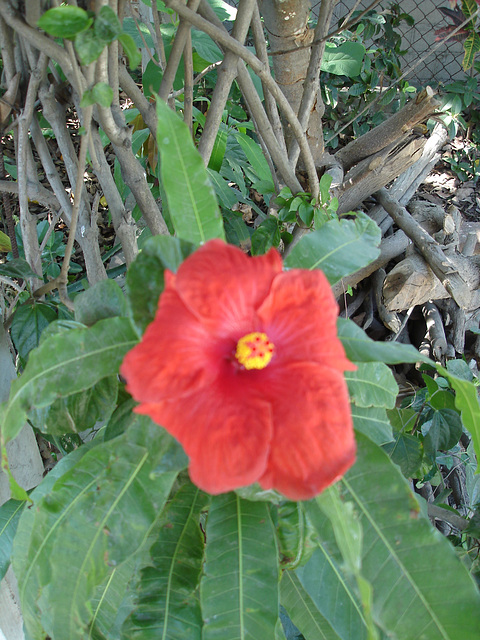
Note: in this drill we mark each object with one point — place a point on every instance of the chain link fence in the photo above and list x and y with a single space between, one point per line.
444 63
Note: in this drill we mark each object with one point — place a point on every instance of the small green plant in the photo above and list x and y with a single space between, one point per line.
350 90
461 116
430 442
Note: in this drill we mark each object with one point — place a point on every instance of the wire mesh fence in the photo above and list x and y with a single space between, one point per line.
429 64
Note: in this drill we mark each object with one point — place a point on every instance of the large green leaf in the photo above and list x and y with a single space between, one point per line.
344 59
145 277
360 348
372 385
421 589
190 195
294 534
333 594
167 602
372 422
79 411
339 247
64 21
104 300
112 601
406 451
442 431
28 323
303 610
466 401
10 513
96 516
17 268
64 364
239 591
472 47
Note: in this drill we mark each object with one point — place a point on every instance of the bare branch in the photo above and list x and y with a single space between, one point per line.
226 75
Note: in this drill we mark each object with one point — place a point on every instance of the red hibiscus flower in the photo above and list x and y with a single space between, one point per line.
242 365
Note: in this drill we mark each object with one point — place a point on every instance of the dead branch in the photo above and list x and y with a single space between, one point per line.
447 269
387 133
375 172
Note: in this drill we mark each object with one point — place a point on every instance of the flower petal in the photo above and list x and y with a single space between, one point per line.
299 316
226 438
176 354
223 287
313 442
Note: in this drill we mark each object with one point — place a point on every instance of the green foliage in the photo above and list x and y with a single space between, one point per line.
167 600
339 247
151 556
65 21
65 364
117 542
101 94
239 589
351 85
193 208
10 513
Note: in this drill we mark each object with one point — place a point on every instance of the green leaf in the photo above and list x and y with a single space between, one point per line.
167 603
255 158
472 47
10 513
190 196
346 527
28 323
372 385
460 369
219 148
64 21
372 422
65 364
5 243
406 451
332 592
17 268
205 46
442 432
131 51
104 300
466 401
265 236
239 591
360 348
112 601
107 25
420 586
343 60
79 411
88 47
97 515
145 276
339 247
101 94
303 611
294 534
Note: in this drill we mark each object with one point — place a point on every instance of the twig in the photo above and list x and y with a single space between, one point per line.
447 516
226 75
60 282
176 53
270 104
188 72
311 90
263 72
